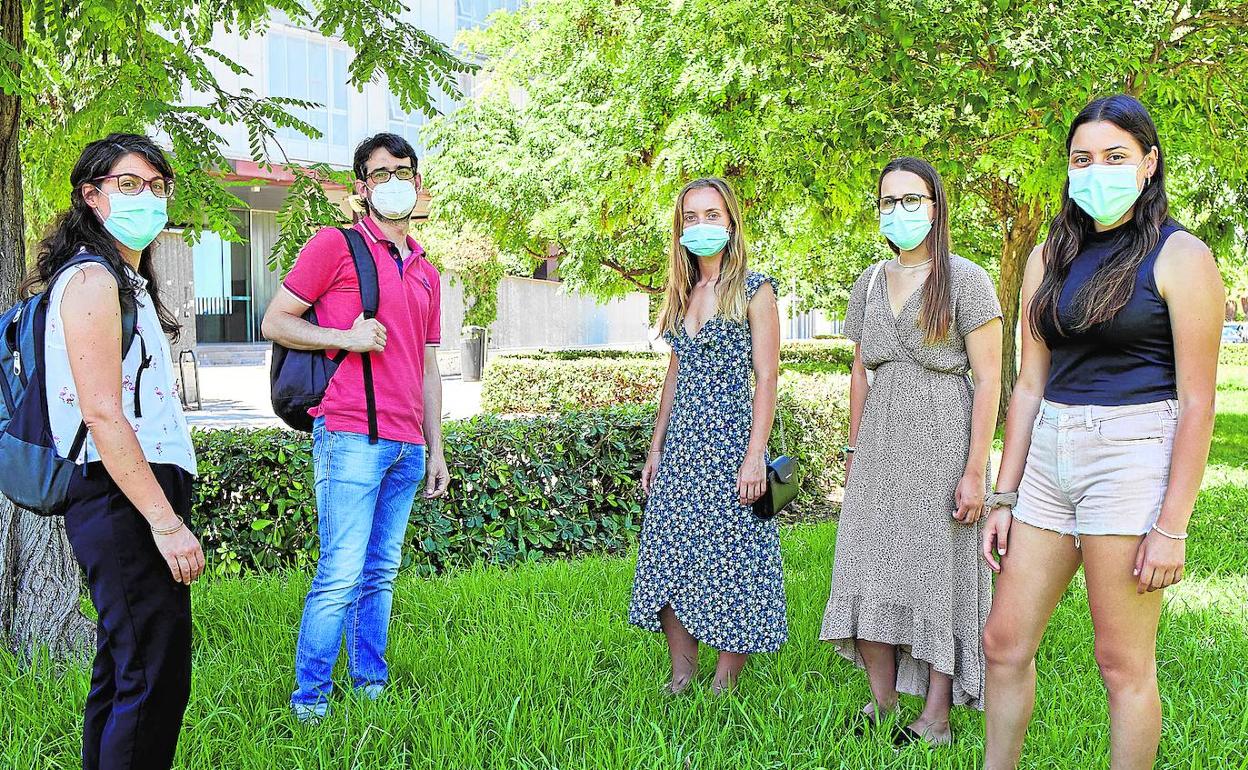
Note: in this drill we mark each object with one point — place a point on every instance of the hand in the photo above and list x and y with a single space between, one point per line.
366 335
1159 562
181 551
970 498
751 480
437 477
849 461
996 535
650 470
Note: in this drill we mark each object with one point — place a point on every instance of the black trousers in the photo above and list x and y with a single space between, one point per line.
141 679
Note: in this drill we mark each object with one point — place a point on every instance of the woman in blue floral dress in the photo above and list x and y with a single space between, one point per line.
708 570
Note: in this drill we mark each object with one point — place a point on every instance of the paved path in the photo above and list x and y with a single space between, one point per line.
238 397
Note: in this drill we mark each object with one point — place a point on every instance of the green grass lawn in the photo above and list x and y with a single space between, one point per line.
535 667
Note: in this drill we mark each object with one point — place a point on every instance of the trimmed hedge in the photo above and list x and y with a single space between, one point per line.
838 352
526 386
578 354
521 489
590 379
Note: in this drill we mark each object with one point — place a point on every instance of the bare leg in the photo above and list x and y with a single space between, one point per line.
682 647
881 663
1033 577
933 723
727 668
1126 649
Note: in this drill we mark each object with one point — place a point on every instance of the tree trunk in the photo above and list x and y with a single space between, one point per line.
40 584
1020 239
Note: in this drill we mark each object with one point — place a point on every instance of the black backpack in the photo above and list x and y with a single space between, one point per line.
298 378
32 474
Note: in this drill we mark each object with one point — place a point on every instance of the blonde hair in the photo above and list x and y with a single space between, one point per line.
682 266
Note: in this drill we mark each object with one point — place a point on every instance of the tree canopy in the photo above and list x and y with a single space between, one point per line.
598 111
94 66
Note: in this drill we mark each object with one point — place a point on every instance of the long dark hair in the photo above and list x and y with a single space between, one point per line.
80 227
936 313
1110 288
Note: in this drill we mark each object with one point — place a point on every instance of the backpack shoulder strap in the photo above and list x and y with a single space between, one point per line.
129 315
365 270
366 275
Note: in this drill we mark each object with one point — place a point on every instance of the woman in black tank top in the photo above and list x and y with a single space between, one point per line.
1107 433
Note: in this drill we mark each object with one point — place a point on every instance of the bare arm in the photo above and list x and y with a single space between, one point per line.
437 474
1033 375
858 387
284 324
93 343
1188 281
666 400
668 397
765 343
983 348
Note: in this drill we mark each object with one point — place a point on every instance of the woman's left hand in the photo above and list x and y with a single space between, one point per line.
751 480
970 498
1159 562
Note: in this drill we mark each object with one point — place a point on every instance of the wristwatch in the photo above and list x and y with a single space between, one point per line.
1001 500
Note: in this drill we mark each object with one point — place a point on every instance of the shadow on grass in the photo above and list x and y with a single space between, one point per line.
1230 440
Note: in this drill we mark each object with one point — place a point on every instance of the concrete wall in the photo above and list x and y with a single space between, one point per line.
543 314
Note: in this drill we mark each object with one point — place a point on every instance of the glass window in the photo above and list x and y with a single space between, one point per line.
473 13
314 71
407 124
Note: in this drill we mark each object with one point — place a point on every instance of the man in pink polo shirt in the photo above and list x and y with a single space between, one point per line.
365 489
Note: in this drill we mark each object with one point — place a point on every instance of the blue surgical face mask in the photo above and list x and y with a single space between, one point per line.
394 199
1104 192
136 220
906 229
705 240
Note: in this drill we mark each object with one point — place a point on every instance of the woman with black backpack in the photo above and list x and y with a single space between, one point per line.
114 410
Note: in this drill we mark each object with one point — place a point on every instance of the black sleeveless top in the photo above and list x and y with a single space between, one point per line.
1126 360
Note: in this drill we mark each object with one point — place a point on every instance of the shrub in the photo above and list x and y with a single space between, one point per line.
578 354
525 385
838 352
550 381
1234 355
520 490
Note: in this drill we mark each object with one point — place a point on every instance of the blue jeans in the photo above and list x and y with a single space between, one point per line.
364 495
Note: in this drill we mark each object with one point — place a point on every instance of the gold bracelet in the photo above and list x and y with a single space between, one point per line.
170 530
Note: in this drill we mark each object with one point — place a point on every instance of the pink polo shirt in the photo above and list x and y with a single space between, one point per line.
409 306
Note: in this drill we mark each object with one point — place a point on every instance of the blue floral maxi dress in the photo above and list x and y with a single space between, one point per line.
702 552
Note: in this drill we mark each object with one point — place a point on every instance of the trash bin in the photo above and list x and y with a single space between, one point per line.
188 376
472 353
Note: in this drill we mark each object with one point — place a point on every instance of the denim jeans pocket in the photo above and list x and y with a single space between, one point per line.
1132 429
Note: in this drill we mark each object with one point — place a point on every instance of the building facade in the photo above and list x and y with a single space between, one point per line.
232 282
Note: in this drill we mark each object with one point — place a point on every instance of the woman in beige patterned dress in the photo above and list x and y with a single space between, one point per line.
909 593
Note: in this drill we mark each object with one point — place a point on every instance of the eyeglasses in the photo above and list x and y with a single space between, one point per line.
133 184
382 175
909 202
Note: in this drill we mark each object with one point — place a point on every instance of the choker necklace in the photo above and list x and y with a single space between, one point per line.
904 266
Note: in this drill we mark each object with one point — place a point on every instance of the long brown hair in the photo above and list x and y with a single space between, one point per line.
936 313
80 228
1110 287
682 265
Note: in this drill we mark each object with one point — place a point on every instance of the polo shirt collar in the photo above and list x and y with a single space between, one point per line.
375 235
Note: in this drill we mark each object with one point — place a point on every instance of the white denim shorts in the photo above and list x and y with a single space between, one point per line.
1097 470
